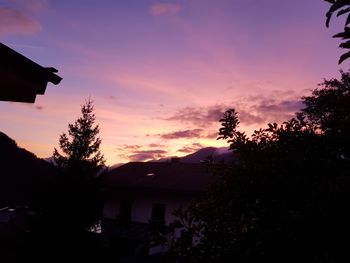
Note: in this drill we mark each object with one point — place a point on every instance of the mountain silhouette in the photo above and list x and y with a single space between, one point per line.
23 176
217 155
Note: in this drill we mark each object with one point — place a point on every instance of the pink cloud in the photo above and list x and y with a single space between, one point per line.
32 6
81 50
156 145
200 116
142 82
159 9
15 22
146 155
138 153
212 135
275 106
191 148
39 107
195 133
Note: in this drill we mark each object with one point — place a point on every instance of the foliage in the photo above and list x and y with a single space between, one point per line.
329 112
284 199
185 233
344 6
74 204
83 145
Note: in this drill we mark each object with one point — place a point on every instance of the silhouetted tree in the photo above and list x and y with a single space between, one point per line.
69 203
285 198
77 192
328 109
344 6
83 144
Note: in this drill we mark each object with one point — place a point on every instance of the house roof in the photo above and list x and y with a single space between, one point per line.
21 79
177 177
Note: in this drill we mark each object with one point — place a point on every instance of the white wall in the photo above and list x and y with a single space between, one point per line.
110 208
142 205
141 210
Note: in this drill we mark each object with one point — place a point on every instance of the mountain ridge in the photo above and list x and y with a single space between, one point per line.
22 174
201 155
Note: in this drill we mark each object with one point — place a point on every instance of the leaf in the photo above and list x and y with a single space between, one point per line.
345 34
335 6
328 15
345 45
344 57
347 20
343 11
338 4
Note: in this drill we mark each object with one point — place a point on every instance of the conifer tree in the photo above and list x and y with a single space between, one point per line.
75 203
82 144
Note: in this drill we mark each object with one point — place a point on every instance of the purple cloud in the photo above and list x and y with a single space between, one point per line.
131 147
191 148
206 116
156 145
138 153
146 155
15 22
39 107
159 9
200 116
195 133
247 118
32 6
212 135
279 106
254 110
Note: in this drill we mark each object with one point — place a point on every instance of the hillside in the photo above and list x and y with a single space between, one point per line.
218 155
23 176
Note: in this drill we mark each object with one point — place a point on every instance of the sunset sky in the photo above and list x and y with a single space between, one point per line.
161 73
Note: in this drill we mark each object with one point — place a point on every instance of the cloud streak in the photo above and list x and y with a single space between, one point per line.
146 155
32 6
188 134
140 153
156 145
273 106
251 111
190 148
131 147
159 9
15 22
39 107
199 116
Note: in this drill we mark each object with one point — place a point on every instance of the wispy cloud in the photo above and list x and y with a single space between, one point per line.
273 106
191 148
271 110
195 133
146 155
247 117
39 107
78 48
141 153
212 135
32 6
131 147
199 116
253 110
156 145
159 9
15 22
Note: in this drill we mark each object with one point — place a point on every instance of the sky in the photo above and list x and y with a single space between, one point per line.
161 73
